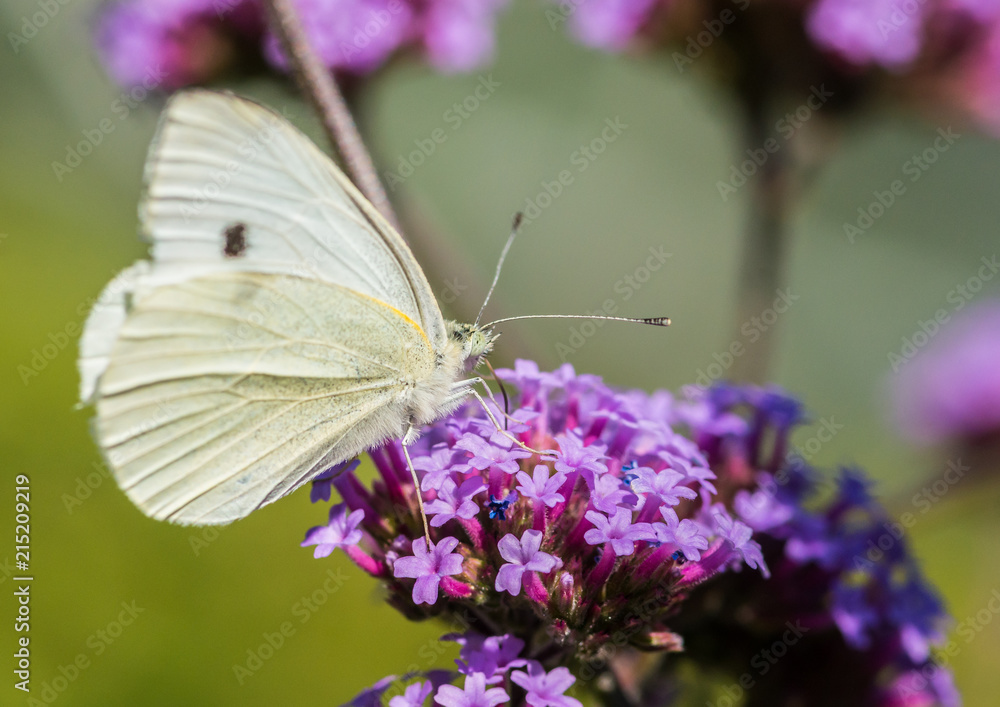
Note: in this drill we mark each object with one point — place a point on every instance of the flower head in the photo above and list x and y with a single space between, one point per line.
474 694
620 532
455 501
540 487
168 44
632 524
428 567
546 689
522 556
341 531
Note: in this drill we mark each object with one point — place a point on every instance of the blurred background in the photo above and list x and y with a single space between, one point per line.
161 615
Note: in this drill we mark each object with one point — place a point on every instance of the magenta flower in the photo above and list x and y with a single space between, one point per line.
455 501
428 567
340 531
475 694
546 689
522 556
620 531
540 487
685 534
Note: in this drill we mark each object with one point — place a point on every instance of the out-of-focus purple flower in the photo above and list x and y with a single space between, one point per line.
341 531
761 509
428 567
739 534
168 44
620 532
522 556
884 32
474 694
951 389
358 35
609 24
459 34
455 501
546 689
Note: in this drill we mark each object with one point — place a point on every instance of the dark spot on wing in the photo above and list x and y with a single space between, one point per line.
236 240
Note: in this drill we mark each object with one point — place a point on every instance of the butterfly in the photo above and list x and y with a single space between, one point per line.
281 327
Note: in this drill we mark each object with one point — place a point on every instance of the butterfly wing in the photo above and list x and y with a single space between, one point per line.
278 328
229 391
232 186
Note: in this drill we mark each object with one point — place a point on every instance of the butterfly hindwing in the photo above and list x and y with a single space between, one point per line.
229 391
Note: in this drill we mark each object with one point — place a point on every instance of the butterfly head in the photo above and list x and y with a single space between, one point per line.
476 341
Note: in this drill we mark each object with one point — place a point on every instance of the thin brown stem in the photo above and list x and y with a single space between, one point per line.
320 86
765 251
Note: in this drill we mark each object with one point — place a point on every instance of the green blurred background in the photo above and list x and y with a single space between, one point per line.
207 597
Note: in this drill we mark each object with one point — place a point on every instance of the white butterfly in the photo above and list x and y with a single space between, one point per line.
282 325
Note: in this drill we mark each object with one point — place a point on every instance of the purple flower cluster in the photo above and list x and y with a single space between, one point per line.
617 513
183 42
488 668
949 49
623 533
841 565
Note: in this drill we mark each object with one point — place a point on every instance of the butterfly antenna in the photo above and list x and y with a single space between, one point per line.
503 256
652 321
503 391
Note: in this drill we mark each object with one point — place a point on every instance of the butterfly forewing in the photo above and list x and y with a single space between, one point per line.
277 329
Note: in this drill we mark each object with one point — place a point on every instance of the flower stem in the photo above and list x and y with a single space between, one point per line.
765 247
320 86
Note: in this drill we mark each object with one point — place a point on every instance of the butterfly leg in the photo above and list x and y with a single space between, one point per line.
407 440
468 389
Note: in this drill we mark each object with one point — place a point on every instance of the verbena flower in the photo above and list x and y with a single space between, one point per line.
946 52
628 533
184 42
951 388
